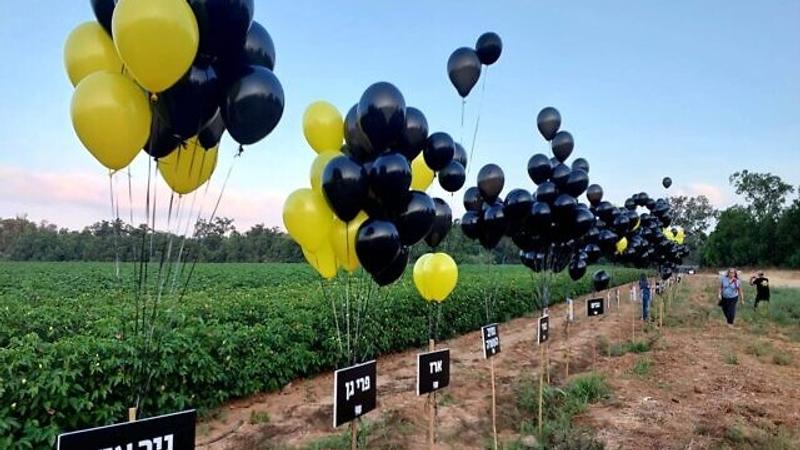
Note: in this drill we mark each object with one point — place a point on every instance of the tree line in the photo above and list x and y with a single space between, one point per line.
765 230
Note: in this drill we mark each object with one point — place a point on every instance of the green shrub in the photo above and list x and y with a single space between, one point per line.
67 358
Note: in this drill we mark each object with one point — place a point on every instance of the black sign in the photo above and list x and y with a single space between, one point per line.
354 392
491 340
595 307
433 371
544 330
169 432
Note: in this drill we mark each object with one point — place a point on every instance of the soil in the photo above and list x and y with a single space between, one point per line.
692 397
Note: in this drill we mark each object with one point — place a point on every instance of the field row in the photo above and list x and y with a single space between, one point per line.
68 360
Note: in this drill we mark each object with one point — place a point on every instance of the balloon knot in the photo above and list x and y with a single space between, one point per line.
241 150
153 97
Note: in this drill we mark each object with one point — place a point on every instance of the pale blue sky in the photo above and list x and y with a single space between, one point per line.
694 90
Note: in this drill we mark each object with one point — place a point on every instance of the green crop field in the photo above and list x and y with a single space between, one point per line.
67 361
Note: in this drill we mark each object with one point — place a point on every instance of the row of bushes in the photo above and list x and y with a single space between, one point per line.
66 364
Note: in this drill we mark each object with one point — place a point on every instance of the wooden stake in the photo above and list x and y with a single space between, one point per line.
132 414
431 407
547 362
594 352
661 313
566 367
541 387
354 435
494 404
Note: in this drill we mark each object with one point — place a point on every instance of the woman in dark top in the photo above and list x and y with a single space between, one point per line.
730 293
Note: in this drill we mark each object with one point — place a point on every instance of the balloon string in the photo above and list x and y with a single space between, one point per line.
211 219
478 118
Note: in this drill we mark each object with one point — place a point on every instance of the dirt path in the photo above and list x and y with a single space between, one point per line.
708 386
300 414
702 386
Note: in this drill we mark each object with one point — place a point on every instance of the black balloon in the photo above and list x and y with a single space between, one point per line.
594 194
562 145
607 241
389 178
103 11
191 101
442 223
416 218
548 121
546 192
650 204
223 26
377 245
382 115
452 177
600 280
539 219
259 50
560 175
439 150
472 199
605 211
490 182
577 182
577 268
593 253
395 269
162 140
517 204
464 69
643 199
470 224
563 207
253 105
493 226
582 164
344 183
489 47
666 182
582 222
414 135
460 154
211 133
358 146
630 204
539 168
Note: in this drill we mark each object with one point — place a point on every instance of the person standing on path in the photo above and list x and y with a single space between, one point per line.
762 288
730 293
644 286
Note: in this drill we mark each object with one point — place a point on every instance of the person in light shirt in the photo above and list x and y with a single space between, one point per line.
730 293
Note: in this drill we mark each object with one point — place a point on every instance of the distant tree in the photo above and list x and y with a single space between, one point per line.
733 241
765 193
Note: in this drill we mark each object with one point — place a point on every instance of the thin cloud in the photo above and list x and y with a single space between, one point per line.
77 199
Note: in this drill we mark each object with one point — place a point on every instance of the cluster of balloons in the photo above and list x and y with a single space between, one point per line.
435 276
206 65
550 226
643 239
367 203
464 64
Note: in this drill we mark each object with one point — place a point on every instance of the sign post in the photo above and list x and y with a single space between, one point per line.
354 394
594 307
570 318
433 373
490 335
168 432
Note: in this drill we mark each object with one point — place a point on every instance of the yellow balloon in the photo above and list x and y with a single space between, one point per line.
111 117
88 50
421 174
187 168
622 244
419 275
318 166
343 239
323 126
156 39
307 218
323 261
442 276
